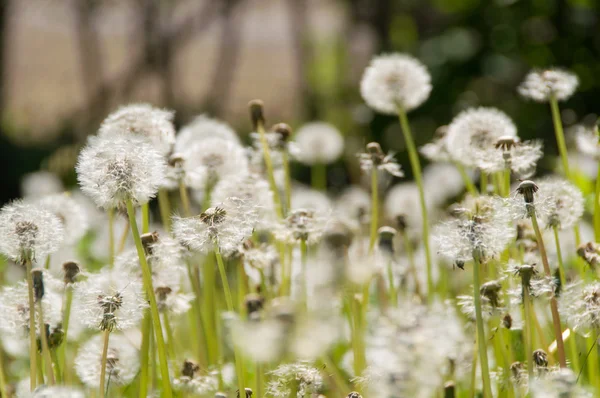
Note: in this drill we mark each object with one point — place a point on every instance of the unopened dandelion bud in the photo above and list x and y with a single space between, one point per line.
257 116
283 130
71 270
148 239
449 389
247 391
38 283
386 239
507 321
189 368
490 291
254 304
354 394
540 358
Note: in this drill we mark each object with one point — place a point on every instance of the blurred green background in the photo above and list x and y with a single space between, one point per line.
65 64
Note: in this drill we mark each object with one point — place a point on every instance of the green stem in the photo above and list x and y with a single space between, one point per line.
56 362
338 379
3 392
528 330
391 284
483 182
304 282
411 261
560 135
270 174
144 355
164 206
145 218
466 179
592 361
416 168
68 300
318 176
481 341
171 339
288 179
111 237
597 208
229 302
45 349
106 336
147 277
185 199
560 346
208 297
506 182
374 209
32 338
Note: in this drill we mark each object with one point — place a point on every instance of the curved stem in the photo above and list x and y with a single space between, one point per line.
374 209
560 135
147 278
416 169
481 341
32 338
103 363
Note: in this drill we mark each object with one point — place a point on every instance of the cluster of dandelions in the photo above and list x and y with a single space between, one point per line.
187 263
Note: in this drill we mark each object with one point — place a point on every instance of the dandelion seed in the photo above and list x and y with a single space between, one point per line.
112 170
28 232
393 80
144 120
318 143
558 384
541 85
579 304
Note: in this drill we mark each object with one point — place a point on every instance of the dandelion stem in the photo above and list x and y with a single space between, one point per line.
597 208
411 261
123 239
483 182
185 200
229 302
481 341
57 367
164 207
318 176
45 350
32 338
560 135
288 179
66 316
506 182
145 218
374 209
561 267
144 355
466 179
106 336
270 174
392 285
210 329
111 237
147 277
592 360
3 392
560 346
170 340
416 168
528 329
303 263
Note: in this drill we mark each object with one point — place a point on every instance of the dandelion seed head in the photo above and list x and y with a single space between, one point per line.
374 158
437 150
565 202
226 225
144 120
122 364
263 340
261 261
520 157
541 85
29 232
302 225
307 378
202 128
44 391
318 143
197 384
314 336
403 200
112 170
476 130
40 183
442 182
110 299
393 80
353 207
588 141
579 304
71 214
310 199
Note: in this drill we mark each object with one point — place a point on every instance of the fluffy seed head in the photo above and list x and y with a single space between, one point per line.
202 128
112 170
476 130
588 141
318 143
541 85
28 232
144 120
375 158
509 153
565 201
71 214
302 225
579 304
394 80
307 380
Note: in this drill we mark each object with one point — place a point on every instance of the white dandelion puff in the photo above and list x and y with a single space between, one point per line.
565 201
40 183
393 80
301 225
579 304
71 214
509 153
307 379
203 128
28 232
588 141
374 158
318 143
112 170
541 85
353 207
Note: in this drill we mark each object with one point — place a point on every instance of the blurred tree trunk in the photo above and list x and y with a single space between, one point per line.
227 59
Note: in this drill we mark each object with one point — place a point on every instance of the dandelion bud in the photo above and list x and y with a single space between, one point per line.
386 239
490 291
38 283
527 188
354 394
540 358
283 130
189 368
71 270
507 321
257 116
148 239
254 304
248 393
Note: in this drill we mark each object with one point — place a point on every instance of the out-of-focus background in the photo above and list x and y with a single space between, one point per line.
65 64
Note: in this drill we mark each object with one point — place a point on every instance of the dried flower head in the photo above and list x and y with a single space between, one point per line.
395 80
302 225
71 269
226 225
318 143
112 170
122 363
201 129
374 158
144 120
541 85
475 131
71 214
307 380
111 299
28 232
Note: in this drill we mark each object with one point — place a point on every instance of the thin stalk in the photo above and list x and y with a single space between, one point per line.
592 361
357 335
374 209
303 262
597 208
164 207
111 237
102 390
483 182
391 285
561 267
147 277
481 341
145 218
123 239
560 345
32 337
66 316
3 392
47 262
411 261
57 367
560 135
338 379
144 355
528 330
318 176
229 302
416 168
208 298
185 199
474 369
170 338
466 179
506 182
288 180
241 287
45 348
270 174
